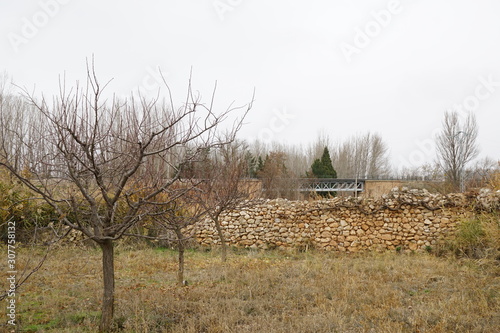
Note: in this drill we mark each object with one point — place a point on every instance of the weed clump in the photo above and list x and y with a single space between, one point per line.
477 237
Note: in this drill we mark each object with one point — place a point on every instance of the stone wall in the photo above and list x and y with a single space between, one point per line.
409 219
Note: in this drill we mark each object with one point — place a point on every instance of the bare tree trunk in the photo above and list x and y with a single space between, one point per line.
181 248
222 238
108 299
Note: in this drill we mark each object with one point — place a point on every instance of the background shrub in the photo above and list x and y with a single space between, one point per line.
477 237
20 205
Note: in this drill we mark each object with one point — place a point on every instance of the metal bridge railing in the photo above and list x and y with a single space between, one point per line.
331 185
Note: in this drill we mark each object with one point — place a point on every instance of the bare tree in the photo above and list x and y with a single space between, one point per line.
225 189
315 149
361 156
109 163
456 146
481 173
277 181
171 220
378 164
424 172
14 115
494 181
295 157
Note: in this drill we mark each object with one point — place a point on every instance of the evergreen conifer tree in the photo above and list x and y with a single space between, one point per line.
323 168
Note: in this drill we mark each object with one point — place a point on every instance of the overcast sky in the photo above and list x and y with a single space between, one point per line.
341 67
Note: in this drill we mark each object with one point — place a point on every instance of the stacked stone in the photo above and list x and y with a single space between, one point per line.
73 237
408 219
488 200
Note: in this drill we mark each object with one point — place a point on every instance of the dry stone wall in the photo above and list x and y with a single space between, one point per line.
409 219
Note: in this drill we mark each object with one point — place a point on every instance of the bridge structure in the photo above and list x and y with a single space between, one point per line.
331 185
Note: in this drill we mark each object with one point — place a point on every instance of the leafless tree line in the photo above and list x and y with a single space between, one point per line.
362 156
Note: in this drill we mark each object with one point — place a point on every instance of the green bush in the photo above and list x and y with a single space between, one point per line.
477 237
19 205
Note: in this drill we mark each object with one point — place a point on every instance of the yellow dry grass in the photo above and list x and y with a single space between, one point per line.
263 292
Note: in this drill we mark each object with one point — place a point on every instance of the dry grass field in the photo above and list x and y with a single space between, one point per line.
269 291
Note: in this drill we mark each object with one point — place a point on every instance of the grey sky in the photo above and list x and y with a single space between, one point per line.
341 67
